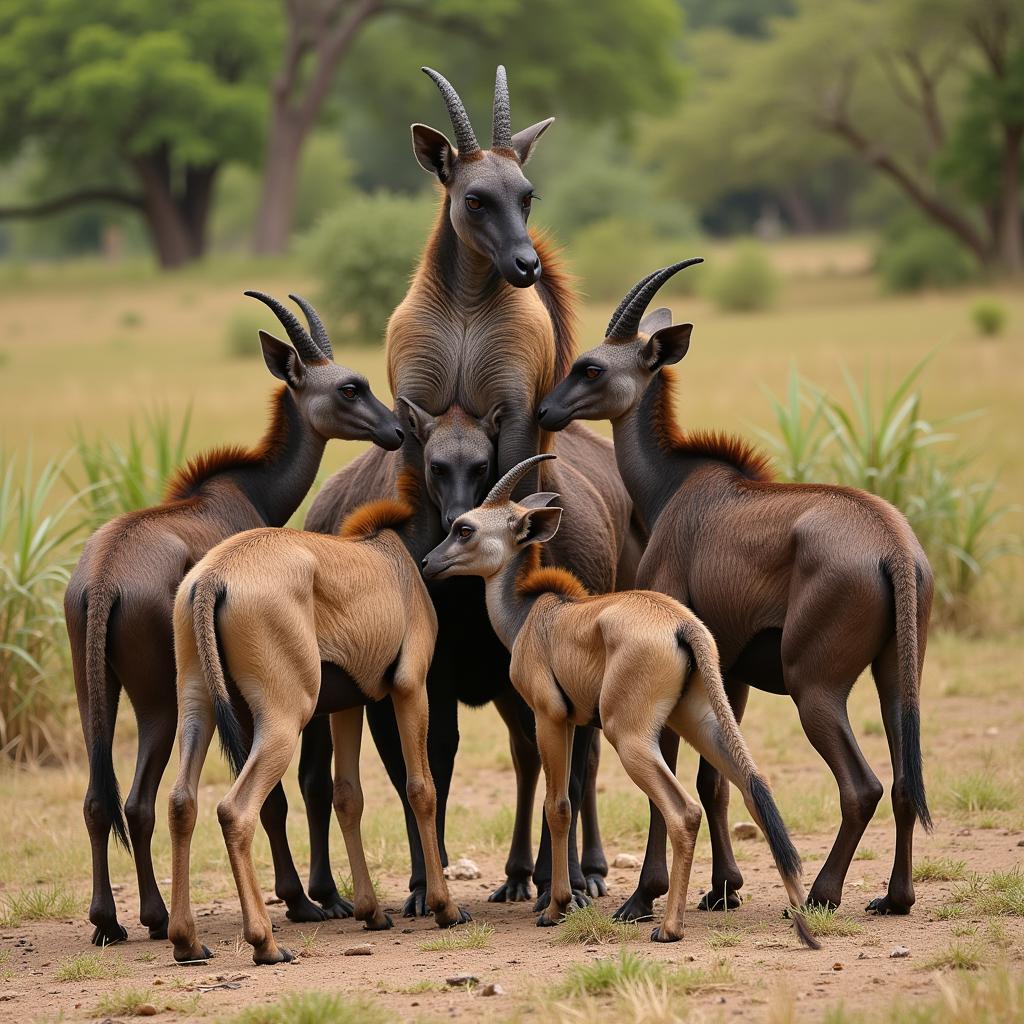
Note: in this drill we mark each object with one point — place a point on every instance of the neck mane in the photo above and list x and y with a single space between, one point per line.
409 514
655 456
275 475
512 592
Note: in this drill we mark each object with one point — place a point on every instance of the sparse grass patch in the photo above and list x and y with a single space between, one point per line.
806 811
415 989
128 1001
587 926
348 892
629 969
315 1008
980 791
866 853
89 967
963 931
38 905
469 936
724 938
950 912
940 869
959 956
1000 894
309 943
827 924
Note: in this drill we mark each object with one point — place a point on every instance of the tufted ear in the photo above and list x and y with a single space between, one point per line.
420 421
656 320
666 346
539 500
538 525
524 141
492 423
434 152
282 360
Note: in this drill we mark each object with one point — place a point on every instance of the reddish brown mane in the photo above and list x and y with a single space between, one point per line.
187 480
534 578
386 514
556 291
708 444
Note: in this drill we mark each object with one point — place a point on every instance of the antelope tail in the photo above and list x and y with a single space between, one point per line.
207 596
100 726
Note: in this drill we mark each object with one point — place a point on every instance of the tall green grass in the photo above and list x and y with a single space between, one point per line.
879 440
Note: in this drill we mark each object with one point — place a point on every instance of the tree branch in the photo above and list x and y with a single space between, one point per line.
58 203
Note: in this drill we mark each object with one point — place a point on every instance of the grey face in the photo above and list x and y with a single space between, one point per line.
459 457
489 196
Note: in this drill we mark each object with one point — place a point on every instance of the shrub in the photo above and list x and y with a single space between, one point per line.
989 317
748 283
242 335
914 256
362 255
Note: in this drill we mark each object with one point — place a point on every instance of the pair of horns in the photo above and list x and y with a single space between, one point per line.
313 345
465 139
626 319
502 490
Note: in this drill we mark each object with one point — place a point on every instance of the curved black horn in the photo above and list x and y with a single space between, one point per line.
502 490
501 130
626 299
465 140
297 334
316 326
629 319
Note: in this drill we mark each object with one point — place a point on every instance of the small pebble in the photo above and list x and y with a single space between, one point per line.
899 953
837 966
492 988
462 870
626 860
364 949
146 1010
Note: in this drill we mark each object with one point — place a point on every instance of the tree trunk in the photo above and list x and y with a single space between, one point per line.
798 210
1008 237
280 173
167 229
195 207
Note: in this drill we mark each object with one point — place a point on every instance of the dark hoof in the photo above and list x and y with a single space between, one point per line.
380 926
336 907
283 956
463 917
111 934
712 900
883 905
596 886
303 911
159 932
547 922
416 904
513 891
579 899
637 908
194 956
657 935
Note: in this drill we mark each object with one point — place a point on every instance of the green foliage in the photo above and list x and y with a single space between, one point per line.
37 905
587 926
37 528
123 478
999 894
939 869
981 790
748 283
989 317
316 1008
922 256
618 976
471 936
363 255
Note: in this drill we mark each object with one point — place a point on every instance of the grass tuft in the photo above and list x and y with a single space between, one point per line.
90 967
38 905
470 936
959 956
315 1008
827 924
587 926
724 938
1000 894
940 869
980 791
602 977
128 1001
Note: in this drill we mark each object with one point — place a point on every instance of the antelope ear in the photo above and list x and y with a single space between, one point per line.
666 346
433 151
539 500
523 142
421 422
538 525
282 360
492 423
656 320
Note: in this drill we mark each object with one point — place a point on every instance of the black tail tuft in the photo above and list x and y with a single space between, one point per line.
803 930
230 733
913 773
101 766
783 850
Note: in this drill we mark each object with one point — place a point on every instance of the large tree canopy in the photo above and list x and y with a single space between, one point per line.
136 103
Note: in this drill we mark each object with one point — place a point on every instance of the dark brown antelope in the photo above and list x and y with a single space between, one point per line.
635 661
120 598
264 608
802 585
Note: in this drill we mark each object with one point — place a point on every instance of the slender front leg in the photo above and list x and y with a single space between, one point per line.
347 734
593 862
555 741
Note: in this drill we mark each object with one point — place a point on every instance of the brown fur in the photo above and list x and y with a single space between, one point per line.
368 520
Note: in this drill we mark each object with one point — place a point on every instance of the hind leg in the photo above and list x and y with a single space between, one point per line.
593 862
554 737
900 896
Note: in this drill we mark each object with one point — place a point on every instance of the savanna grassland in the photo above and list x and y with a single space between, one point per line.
83 348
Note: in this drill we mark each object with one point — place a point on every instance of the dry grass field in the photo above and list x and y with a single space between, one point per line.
83 347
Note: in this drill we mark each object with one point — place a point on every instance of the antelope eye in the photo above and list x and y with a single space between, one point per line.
348 391
593 372
465 532
480 468
473 203
437 469
527 201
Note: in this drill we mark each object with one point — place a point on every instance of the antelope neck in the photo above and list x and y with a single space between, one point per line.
507 607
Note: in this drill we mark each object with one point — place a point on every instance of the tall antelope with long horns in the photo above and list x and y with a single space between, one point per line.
802 585
120 598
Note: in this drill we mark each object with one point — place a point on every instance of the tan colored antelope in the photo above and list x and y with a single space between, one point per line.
634 661
264 609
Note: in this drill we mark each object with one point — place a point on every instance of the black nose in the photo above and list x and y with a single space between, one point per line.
423 564
401 433
528 264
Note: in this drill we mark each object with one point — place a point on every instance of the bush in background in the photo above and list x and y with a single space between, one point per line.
362 255
989 317
914 255
748 283
241 339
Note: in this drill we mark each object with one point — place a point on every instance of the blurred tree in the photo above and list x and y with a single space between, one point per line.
928 93
135 104
741 17
601 57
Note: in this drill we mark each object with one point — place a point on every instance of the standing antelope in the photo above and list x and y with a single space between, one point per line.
120 597
265 608
802 585
635 661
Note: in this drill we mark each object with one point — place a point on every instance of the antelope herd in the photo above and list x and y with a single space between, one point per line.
486 550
